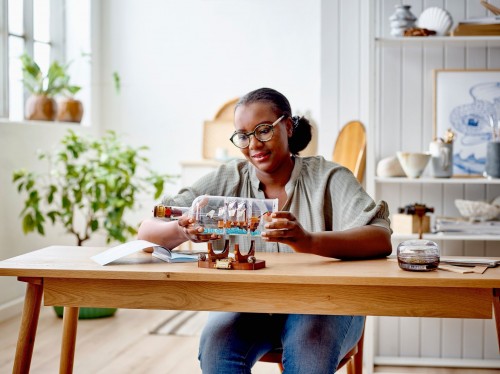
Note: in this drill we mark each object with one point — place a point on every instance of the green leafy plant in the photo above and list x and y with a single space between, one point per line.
69 90
36 82
97 179
117 82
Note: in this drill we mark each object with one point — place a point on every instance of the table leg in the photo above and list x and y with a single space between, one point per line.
70 322
29 323
496 311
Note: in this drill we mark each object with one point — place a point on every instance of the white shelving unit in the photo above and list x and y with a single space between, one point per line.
401 116
441 236
445 181
397 237
481 41
462 42
430 180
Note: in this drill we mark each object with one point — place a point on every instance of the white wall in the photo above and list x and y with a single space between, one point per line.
18 146
181 60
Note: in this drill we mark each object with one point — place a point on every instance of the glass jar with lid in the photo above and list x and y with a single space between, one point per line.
418 255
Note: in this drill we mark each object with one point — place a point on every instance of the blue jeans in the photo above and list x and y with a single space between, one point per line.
232 343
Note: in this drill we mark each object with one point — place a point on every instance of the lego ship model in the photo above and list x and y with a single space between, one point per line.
225 216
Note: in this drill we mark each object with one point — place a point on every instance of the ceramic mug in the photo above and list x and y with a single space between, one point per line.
441 159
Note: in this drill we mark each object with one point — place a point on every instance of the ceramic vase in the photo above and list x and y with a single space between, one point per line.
492 169
401 20
441 159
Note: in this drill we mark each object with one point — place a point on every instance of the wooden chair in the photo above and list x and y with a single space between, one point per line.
353 359
350 148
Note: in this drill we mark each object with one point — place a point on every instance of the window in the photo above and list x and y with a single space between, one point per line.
32 26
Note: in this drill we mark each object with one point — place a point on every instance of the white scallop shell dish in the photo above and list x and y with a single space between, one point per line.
436 19
477 210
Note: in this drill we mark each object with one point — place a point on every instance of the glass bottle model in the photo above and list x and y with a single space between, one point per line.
223 215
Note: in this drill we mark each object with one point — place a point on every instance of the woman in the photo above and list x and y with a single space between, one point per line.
323 211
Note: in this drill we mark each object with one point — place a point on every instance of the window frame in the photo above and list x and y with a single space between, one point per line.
57 43
4 57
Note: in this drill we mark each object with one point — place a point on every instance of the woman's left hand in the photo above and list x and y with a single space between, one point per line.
284 228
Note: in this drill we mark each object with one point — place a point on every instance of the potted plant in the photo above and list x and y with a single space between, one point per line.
43 88
69 109
89 186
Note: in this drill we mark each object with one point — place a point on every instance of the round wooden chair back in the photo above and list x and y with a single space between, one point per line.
350 148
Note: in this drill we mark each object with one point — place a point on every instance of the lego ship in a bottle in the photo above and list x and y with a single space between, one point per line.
225 216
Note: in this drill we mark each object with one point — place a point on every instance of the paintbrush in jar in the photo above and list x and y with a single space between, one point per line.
494 128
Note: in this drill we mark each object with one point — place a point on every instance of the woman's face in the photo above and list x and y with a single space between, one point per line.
270 155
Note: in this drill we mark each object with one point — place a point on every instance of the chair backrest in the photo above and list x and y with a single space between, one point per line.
350 148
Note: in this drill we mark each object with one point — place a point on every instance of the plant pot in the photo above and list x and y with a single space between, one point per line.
41 108
70 110
88 313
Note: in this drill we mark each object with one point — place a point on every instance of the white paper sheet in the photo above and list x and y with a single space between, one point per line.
121 250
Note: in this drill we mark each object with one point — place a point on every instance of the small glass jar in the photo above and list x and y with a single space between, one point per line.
418 255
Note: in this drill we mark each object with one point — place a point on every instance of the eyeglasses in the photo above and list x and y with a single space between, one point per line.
263 132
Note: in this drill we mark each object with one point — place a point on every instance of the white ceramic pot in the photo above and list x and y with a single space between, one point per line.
390 167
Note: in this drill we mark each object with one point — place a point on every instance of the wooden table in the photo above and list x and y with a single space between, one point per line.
291 283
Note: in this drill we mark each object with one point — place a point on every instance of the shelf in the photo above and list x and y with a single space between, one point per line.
47 124
430 180
489 41
441 236
201 163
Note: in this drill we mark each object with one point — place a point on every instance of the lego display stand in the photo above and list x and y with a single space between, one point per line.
222 260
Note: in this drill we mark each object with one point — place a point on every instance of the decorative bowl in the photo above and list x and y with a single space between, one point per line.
413 164
477 210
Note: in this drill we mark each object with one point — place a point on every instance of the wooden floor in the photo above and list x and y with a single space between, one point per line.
123 344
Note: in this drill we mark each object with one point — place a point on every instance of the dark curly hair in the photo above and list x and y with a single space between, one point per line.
302 129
